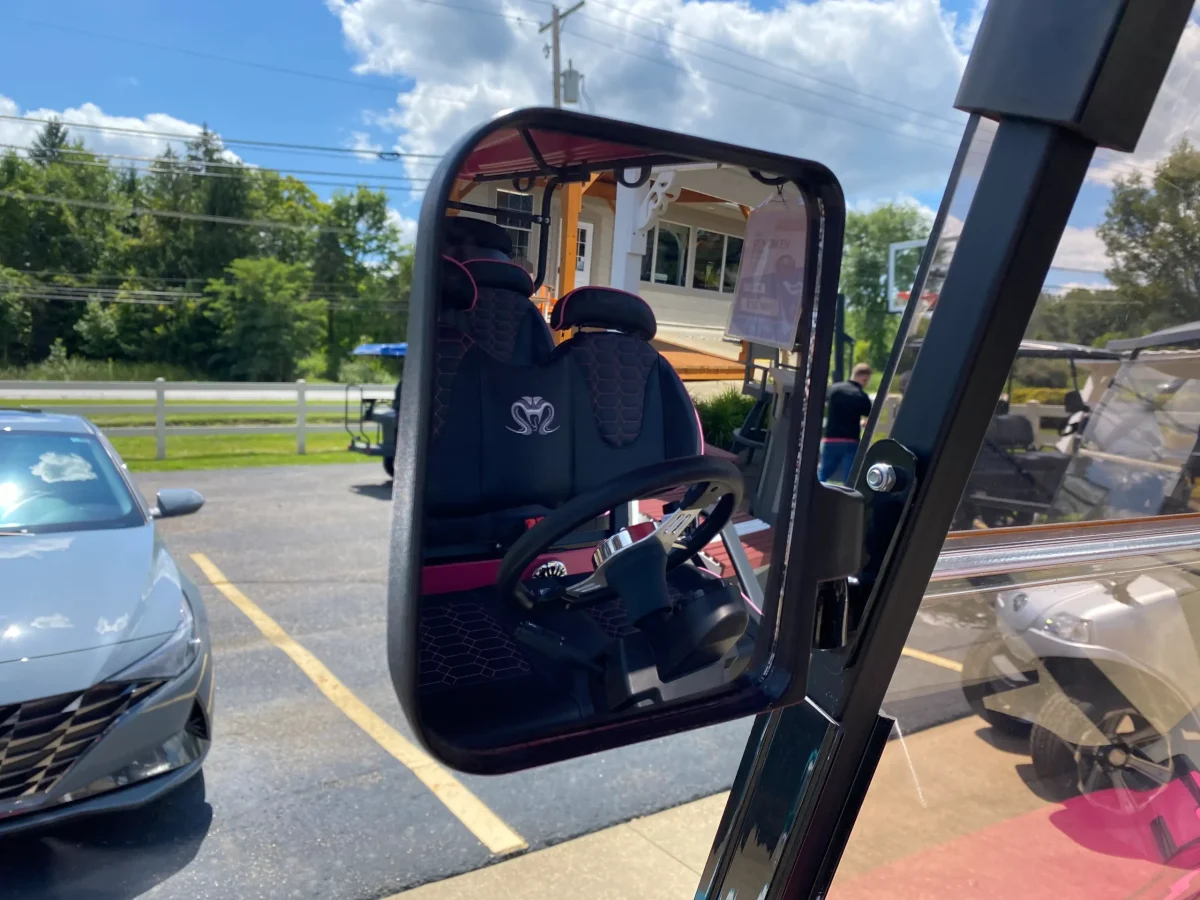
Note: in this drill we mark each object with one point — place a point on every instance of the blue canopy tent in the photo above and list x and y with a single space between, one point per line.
376 414
392 350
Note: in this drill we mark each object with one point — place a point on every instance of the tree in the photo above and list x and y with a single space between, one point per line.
352 253
16 320
50 142
864 273
266 323
1151 230
100 331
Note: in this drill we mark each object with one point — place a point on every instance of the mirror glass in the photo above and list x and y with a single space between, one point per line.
612 420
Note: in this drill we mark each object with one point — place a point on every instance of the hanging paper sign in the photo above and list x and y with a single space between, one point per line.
770 284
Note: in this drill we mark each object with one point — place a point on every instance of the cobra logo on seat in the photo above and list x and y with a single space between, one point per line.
533 415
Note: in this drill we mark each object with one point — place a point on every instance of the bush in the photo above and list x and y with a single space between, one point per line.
1045 395
364 370
60 366
720 415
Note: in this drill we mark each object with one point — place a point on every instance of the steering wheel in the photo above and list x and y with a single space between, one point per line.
632 563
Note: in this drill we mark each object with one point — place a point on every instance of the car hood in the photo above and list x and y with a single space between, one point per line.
84 590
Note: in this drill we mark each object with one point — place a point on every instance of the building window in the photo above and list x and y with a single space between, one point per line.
666 254
717 259
518 229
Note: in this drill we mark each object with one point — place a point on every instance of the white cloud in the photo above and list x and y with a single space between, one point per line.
55 467
362 142
406 226
134 138
649 62
1081 250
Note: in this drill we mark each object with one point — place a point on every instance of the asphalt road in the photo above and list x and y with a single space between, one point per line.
296 800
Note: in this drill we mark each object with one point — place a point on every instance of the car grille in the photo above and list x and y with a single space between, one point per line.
40 739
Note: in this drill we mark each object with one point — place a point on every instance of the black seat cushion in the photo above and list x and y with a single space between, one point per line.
604 307
1010 432
465 237
504 321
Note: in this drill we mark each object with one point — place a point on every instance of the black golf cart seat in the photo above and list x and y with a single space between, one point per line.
503 320
510 441
1012 473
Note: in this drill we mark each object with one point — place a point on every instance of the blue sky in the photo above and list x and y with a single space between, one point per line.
130 80
861 59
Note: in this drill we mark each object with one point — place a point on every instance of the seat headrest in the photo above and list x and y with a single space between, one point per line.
459 290
603 307
504 275
465 237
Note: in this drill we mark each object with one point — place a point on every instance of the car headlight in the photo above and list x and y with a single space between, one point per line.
1068 627
172 657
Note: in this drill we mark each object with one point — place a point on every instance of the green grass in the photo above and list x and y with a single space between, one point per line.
235 452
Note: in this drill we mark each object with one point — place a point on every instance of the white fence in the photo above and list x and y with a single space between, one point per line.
188 398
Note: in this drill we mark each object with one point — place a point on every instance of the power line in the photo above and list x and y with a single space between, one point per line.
789 84
745 90
171 214
158 279
386 155
60 297
181 162
246 171
200 54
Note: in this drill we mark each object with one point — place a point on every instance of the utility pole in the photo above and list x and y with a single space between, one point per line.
554 26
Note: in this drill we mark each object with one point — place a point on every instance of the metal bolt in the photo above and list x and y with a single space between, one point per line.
881 477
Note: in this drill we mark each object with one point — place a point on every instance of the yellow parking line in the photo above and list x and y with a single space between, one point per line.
491 830
933 659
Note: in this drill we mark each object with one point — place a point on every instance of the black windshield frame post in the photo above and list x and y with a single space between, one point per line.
807 767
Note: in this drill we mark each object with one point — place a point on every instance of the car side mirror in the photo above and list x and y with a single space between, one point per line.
171 502
570 565
1073 402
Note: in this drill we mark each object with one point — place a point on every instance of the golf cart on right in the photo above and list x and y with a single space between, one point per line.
1102 672
1016 476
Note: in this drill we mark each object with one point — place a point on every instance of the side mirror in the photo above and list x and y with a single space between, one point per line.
176 502
568 572
1073 402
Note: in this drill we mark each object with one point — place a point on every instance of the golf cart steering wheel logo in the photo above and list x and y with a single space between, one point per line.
533 415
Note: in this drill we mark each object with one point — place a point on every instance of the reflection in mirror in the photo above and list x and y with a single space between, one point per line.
596 546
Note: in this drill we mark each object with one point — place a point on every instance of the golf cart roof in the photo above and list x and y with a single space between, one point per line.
1169 337
1031 349
513 153
392 350
1060 350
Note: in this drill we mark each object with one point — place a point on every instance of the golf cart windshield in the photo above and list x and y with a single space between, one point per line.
1138 454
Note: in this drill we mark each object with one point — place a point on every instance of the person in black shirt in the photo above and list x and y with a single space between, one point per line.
846 405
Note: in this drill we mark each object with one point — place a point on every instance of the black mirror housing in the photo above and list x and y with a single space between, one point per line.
564 687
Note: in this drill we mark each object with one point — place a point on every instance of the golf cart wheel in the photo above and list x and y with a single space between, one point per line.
1115 759
983 680
389 466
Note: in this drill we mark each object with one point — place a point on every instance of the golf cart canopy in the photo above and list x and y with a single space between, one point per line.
1188 333
525 154
1059 350
1031 349
391 350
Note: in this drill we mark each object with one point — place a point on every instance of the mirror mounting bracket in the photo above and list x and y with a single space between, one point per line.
884 510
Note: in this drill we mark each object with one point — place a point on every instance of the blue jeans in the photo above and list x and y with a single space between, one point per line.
836 459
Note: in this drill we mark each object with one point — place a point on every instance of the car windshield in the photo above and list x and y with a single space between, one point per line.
61 482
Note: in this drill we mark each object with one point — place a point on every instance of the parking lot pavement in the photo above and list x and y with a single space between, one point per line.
298 800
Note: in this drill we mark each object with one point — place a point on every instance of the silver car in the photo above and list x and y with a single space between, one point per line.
106 683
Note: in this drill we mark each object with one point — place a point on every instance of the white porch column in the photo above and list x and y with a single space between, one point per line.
629 242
